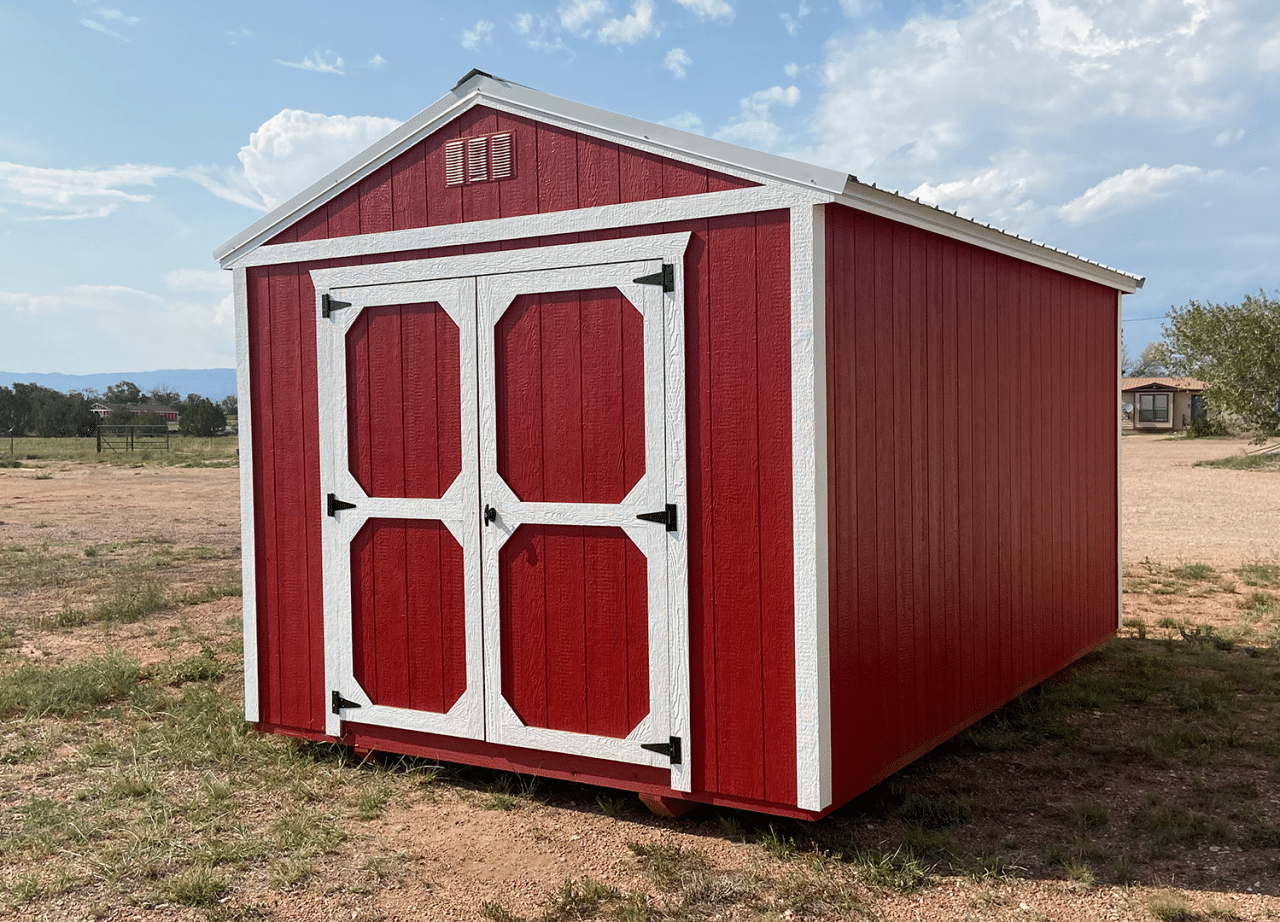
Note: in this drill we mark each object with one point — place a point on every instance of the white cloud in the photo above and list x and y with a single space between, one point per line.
576 16
685 121
1131 189
534 30
106 15
376 61
317 62
479 34
191 332
99 27
995 104
677 61
791 70
855 8
198 280
709 9
70 194
1269 55
293 149
1223 138
792 23
636 25
754 125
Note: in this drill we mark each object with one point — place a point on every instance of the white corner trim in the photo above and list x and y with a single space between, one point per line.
248 556
809 510
1120 464
581 220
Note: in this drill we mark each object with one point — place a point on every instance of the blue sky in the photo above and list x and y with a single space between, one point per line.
135 135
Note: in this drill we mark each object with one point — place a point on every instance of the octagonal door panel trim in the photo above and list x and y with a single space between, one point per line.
661 483
454 508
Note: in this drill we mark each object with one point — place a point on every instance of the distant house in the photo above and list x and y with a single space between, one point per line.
1161 403
168 414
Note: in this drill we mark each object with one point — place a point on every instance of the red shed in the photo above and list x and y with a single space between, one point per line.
585 447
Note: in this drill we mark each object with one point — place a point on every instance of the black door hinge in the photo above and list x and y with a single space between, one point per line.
337 702
335 504
328 305
667 517
666 278
671 749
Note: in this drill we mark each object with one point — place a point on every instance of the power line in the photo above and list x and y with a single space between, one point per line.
1136 319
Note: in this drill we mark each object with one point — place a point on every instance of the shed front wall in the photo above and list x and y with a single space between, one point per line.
738 372
972 500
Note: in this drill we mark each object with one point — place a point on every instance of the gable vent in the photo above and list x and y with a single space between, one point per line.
477 159
471 160
501 147
453 163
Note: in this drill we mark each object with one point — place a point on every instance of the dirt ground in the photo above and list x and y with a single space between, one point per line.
182 525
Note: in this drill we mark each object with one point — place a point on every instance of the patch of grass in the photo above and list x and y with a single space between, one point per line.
1243 462
1194 571
668 864
128 602
1259 573
370 801
200 667
1171 825
1169 906
900 871
1090 814
197 887
937 812
66 690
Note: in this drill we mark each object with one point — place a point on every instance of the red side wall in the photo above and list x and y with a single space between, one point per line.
738 426
555 170
972 484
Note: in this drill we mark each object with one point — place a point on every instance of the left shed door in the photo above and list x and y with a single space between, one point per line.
398 452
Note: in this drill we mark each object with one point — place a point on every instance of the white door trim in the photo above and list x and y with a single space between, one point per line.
577 266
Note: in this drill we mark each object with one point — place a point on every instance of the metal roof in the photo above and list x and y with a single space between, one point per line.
1173 384
479 88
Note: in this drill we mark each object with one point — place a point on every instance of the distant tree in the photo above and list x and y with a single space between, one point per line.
1151 363
58 415
1235 350
201 416
230 405
164 397
11 415
123 392
1126 361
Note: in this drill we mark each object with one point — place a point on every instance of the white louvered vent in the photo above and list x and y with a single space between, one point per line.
501 155
477 159
454 168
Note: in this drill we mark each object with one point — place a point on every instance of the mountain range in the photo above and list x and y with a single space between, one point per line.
214 383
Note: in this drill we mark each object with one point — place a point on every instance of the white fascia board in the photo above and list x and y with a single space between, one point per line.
519 100
899 208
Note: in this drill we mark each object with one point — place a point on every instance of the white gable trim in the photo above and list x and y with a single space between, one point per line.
602 217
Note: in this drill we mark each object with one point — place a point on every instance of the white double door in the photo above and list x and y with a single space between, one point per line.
503 490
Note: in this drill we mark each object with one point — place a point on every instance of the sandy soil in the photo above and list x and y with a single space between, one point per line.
1175 513
459 854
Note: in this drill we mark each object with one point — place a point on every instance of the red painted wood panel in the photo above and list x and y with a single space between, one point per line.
404 409
748 693
555 170
408 614
570 397
570 598
972 515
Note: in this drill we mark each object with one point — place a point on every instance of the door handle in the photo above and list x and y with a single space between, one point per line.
490 515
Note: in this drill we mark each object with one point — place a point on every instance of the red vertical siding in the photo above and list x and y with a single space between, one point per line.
555 170
972 494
